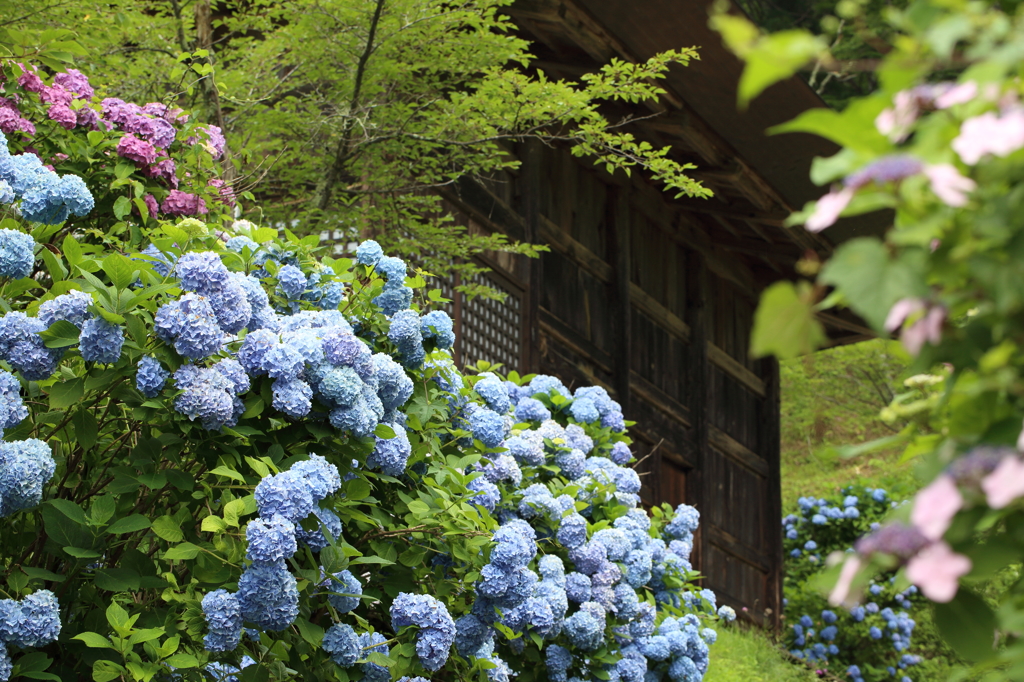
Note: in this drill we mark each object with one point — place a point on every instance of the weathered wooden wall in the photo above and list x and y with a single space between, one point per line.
628 299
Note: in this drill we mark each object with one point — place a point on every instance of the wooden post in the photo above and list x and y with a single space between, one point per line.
622 333
770 449
698 483
532 169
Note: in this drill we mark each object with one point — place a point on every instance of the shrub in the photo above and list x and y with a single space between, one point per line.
225 451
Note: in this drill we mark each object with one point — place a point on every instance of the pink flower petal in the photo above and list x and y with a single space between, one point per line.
990 134
937 570
948 184
828 208
1005 484
935 506
841 591
959 94
901 310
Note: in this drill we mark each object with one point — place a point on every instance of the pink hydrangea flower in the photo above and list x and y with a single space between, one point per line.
74 81
118 111
841 592
937 570
134 149
156 130
88 118
182 203
827 210
63 115
225 192
962 93
214 141
935 506
163 169
56 95
151 204
948 184
30 81
1005 484
990 134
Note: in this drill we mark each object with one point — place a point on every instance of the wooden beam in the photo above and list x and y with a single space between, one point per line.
728 364
658 399
737 452
571 339
562 242
664 317
728 544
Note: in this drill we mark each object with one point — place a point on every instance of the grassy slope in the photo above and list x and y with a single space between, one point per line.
748 656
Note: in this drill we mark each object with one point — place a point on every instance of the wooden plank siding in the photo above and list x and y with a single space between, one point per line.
624 301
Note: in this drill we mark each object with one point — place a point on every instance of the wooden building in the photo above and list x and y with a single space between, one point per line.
653 297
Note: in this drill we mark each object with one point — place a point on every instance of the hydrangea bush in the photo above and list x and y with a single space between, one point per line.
227 456
873 641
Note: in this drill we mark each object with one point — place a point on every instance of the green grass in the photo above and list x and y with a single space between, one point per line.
746 655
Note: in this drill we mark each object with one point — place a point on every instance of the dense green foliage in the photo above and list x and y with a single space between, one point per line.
385 101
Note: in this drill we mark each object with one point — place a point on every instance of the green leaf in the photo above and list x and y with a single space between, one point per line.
122 206
261 469
117 616
182 660
129 524
968 625
69 509
147 635
412 557
118 268
784 323
870 280
185 550
228 473
357 489
42 574
86 428
105 671
94 640
213 524
117 579
854 127
72 249
384 431
379 659
372 560
66 394
168 529
313 634
80 553
62 530
774 58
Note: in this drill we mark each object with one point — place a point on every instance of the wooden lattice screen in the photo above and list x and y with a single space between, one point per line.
486 329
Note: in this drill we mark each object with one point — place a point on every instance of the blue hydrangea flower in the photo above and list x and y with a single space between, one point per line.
487 494
268 596
584 630
527 448
472 635
38 621
437 325
503 468
75 195
394 299
437 629
190 324
287 493
223 616
346 591
494 392
151 376
291 281
530 409
394 387
543 383
621 454
100 341
12 407
283 362
23 348
572 532
341 386
370 642
488 427
162 264
25 467
726 613
516 544
7 195
684 522
330 524
202 272
584 411
294 397
72 307
270 540
6 666
240 243
231 305
573 464
342 645
406 335
369 253
391 454
322 477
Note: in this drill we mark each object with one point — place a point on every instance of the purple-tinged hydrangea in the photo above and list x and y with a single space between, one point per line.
437 629
585 628
390 455
345 590
223 616
516 545
183 203
342 645
269 596
71 307
287 493
472 635
573 464
100 341
135 149
16 257
531 409
270 540
527 448
190 324
293 397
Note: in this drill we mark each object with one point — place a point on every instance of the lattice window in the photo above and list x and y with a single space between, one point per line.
491 330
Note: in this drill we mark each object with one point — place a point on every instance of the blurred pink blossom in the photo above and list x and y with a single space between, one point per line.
828 208
990 134
935 506
841 591
928 327
1005 484
948 184
958 94
936 570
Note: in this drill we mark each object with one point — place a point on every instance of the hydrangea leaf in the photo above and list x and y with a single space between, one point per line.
784 323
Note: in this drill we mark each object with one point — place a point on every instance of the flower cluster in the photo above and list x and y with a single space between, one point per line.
32 622
25 467
45 197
